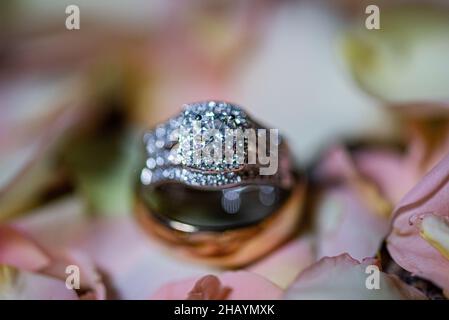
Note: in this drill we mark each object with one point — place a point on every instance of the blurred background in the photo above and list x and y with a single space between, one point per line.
72 102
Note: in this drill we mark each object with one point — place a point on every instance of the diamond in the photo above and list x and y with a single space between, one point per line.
145 176
186 148
151 163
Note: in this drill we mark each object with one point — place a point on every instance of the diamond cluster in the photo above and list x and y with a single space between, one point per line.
214 118
167 160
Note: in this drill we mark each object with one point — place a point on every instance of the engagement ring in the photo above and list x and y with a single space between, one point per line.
217 183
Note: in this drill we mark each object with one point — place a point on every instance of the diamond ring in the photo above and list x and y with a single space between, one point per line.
213 178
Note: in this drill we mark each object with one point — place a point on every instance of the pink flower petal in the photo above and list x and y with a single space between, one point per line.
23 285
133 264
347 224
351 215
342 277
282 266
242 284
21 252
208 288
395 174
418 241
91 283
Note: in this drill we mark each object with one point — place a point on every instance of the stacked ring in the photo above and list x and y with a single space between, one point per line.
208 187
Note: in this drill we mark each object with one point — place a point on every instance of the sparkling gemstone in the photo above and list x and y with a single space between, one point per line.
205 118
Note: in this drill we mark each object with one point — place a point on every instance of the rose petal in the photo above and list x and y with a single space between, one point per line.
417 241
23 285
347 224
342 277
91 284
351 215
393 172
282 266
132 264
21 252
242 284
208 288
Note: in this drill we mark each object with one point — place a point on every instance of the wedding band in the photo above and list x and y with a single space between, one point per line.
214 180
